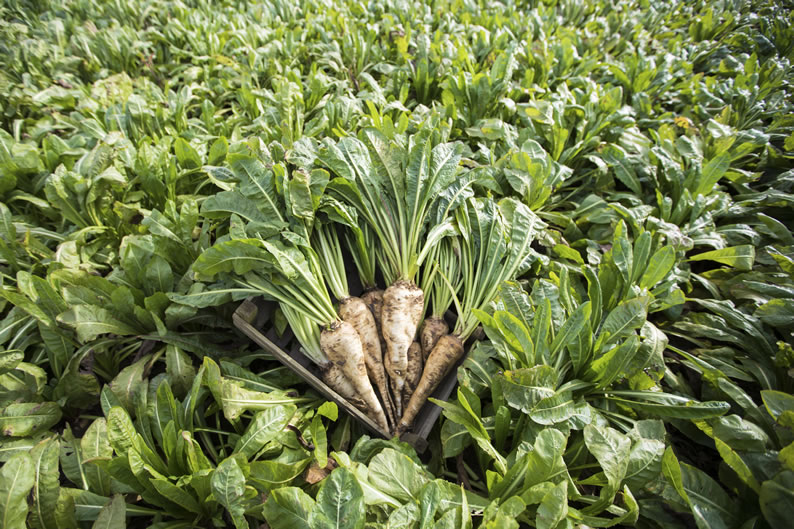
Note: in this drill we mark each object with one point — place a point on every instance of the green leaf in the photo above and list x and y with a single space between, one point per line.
516 301
228 488
273 474
397 475
616 362
235 399
28 418
645 458
404 517
670 406
777 312
777 402
90 321
734 460
46 487
623 320
660 264
671 468
553 507
128 384
17 477
186 155
177 495
113 515
571 328
329 410
429 502
739 257
121 431
9 360
341 500
300 195
237 256
288 508
257 182
218 151
711 506
265 426
179 367
777 499
711 174
611 449
320 440
95 445
516 334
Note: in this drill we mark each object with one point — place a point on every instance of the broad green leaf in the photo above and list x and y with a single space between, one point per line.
113 515
329 410
734 460
46 487
228 489
235 399
288 508
739 433
320 440
257 182
571 328
404 517
397 475
623 320
270 474
739 257
90 321
237 256
95 446
264 427
611 449
777 312
341 500
17 477
553 507
615 363
670 406
218 151
429 502
121 431
9 360
180 370
517 302
671 468
176 495
129 383
645 462
711 506
711 174
516 335
777 402
660 264
777 498
28 418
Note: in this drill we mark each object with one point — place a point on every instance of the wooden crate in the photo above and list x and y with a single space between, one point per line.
252 317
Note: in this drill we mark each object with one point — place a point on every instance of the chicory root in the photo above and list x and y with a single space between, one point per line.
432 330
445 354
342 345
355 311
414 373
403 303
